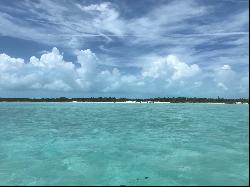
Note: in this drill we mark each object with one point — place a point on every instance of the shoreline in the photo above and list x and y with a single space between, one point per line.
108 102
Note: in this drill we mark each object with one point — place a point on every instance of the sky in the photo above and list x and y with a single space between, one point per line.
124 48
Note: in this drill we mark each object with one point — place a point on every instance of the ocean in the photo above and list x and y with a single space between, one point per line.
123 144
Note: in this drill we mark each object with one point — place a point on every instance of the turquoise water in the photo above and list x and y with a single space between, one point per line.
123 144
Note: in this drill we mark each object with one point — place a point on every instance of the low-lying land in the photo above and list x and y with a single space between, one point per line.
129 100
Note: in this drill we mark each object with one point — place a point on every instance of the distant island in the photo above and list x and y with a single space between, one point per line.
128 100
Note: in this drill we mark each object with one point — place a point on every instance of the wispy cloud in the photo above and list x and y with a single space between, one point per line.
56 22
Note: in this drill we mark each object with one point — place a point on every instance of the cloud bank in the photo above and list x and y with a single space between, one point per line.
162 76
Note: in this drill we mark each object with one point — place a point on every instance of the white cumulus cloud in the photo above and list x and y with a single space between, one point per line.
161 76
170 68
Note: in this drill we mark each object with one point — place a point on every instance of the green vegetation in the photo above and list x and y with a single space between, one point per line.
113 99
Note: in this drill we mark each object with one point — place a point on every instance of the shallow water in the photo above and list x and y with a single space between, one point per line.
123 144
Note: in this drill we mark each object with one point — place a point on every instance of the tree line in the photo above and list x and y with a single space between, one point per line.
114 99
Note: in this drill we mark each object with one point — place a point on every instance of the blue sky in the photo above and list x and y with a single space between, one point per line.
143 48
